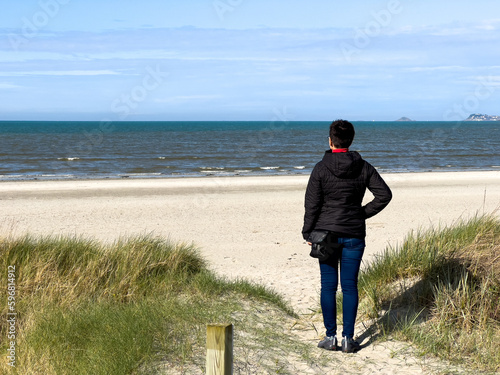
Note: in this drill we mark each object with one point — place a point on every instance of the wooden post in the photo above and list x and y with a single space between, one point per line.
219 349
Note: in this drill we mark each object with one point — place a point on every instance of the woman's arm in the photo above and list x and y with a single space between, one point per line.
312 203
381 192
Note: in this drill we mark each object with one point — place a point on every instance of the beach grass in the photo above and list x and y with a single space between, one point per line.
139 305
440 290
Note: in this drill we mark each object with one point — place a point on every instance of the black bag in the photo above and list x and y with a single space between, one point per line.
324 244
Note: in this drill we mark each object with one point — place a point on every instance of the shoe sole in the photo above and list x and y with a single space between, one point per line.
333 348
351 349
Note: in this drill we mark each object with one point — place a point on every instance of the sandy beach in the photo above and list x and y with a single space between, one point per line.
246 227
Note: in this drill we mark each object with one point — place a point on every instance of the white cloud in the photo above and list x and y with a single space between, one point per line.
447 30
452 68
489 25
487 80
186 98
59 73
223 69
25 56
484 80
454 31
9 86
364 77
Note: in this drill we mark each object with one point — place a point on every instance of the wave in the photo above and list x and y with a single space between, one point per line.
269 168
68 159
146 174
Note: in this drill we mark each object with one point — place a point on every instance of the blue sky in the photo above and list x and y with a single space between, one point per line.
248 59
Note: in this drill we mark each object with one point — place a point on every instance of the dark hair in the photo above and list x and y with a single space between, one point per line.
341 133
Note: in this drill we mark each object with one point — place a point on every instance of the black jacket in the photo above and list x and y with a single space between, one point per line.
335 193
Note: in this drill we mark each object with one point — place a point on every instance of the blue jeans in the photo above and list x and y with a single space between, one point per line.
350 260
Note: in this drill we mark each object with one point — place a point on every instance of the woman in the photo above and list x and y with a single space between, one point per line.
333 202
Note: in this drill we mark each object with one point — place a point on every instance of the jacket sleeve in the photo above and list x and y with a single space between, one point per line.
313 202
381 192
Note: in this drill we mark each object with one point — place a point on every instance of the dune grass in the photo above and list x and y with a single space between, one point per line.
130 307
141 305
441 290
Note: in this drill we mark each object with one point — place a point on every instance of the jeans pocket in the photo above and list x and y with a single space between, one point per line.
354 244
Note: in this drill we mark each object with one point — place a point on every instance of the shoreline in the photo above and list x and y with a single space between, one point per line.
157 176
411 175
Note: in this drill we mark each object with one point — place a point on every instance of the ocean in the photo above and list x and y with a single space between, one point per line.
51 150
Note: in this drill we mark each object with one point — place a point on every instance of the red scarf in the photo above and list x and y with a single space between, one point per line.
340 150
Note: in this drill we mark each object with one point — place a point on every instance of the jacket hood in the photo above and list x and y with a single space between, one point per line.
344 164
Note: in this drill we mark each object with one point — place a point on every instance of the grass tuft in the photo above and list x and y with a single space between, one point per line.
441 290
129 307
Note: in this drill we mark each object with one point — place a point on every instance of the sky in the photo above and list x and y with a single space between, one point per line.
249 59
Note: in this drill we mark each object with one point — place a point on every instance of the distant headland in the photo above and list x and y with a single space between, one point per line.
405 119
481 117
